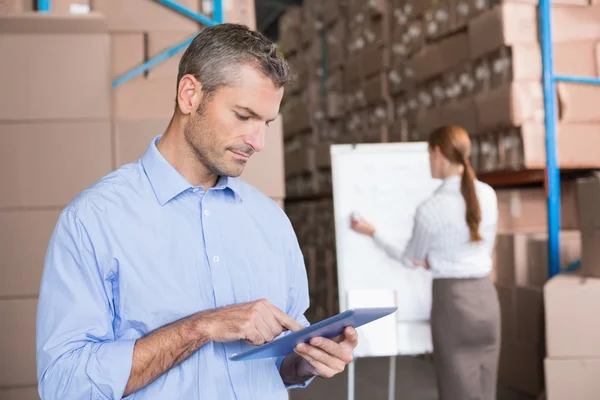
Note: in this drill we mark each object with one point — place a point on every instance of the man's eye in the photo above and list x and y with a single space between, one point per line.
242 117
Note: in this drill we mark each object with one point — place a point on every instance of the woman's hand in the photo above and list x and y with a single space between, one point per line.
361 226
422 263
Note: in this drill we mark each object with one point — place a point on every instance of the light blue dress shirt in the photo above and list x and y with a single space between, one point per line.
142 248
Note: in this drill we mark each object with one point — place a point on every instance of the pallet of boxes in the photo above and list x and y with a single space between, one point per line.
572 305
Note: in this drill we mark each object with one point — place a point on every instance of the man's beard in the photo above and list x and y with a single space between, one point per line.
204 143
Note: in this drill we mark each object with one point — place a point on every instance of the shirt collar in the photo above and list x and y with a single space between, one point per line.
168 183
449 181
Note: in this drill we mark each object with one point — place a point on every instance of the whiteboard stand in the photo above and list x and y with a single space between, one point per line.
391 383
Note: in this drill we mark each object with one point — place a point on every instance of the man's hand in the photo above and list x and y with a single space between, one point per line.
324 357
257 322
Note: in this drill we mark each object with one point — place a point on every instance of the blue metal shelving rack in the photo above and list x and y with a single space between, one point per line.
552 170
45 6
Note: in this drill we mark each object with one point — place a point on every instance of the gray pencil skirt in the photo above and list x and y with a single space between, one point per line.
465 324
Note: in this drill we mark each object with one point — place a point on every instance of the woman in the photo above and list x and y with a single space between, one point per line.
453 236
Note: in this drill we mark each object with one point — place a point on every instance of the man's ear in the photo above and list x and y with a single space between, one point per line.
189 94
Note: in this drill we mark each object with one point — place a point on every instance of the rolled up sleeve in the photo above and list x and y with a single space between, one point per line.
77 354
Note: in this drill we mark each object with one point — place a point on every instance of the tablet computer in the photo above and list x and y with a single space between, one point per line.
328 328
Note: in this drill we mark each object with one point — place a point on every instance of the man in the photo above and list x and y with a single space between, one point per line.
160 271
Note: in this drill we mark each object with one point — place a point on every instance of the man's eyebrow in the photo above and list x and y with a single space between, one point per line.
252 112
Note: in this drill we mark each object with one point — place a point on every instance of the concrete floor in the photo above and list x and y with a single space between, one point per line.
415 380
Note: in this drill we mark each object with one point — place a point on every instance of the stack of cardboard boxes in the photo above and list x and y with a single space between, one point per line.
572 306
63 127
520 272
408 66
56 140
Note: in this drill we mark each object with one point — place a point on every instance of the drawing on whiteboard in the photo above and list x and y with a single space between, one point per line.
384 183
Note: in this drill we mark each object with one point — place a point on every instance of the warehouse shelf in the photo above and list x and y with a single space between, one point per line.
552 172
505 179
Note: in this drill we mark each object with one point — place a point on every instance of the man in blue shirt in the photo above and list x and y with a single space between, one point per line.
160 271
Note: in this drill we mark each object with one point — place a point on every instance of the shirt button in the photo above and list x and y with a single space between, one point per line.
195 190
206 213
216 259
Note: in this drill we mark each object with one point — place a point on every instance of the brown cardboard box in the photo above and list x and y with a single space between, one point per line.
522 62
127 52
54 46
437 58
240 12
17 342
578 102
588 193
572 379
71 6
438 19
524 147
280 201
15 6
132 137
575 24
146 16
144 99
24 237
530 314
462 113
29 393
505 24
524 210
510 105
489 152
537 255
265 170
158 42
507 298
47 164
521 367
511 258
572 306
584 52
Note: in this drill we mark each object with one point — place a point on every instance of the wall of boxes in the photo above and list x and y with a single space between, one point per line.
391 71
63 127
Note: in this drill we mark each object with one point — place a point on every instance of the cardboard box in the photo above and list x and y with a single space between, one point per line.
240 12
280 202
127 52
132 138
577 102
511 258
575 24
158 42
588 191
71 6
17 342
507 298
265 170
572 306
521 367
521 62
584 52
144 99
46 164
146 16
572 379
524 147
524 210
68 48
436 58
438 19
537 256
462 113
15 6
24 237
530 314
28 393
505 24
510 105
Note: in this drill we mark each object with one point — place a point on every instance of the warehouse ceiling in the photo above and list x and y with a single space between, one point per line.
268 13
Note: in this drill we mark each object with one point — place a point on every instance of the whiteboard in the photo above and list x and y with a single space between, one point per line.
384 183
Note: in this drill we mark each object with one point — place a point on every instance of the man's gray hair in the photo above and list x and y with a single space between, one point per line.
216 54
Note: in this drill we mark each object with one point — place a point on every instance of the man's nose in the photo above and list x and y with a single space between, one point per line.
256 139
